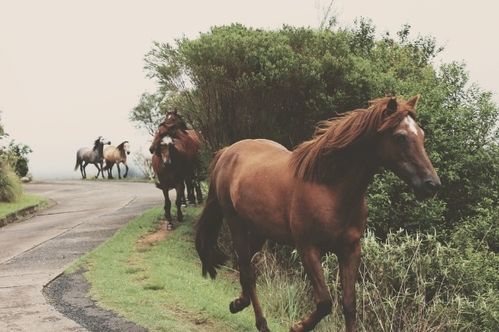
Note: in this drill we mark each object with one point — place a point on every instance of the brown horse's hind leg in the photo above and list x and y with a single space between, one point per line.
349 261
245 248
311 259
178 201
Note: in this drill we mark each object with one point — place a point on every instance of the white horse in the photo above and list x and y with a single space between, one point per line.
116 155
85 156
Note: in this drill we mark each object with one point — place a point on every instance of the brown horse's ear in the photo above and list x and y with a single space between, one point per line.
391 107
413 101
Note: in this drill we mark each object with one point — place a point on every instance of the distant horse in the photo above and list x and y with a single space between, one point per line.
174 151
312 198
85 156
115 156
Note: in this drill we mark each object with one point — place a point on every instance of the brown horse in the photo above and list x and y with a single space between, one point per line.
174 150
312 198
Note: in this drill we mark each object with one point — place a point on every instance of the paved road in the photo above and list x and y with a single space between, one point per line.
35 251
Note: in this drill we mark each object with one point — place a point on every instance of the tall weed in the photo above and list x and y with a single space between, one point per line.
406 283
10 185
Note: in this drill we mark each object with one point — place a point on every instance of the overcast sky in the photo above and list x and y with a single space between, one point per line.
72 70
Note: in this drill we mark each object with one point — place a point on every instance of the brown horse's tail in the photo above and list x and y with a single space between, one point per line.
208 228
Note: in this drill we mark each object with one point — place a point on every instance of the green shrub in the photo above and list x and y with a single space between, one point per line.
235 82
10 185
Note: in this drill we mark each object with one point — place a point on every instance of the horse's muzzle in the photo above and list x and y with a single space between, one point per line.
428 188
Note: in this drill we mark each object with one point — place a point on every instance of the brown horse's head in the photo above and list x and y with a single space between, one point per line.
166 150
401 147
124 148
172 123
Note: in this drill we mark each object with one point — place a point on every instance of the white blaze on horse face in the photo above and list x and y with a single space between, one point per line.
411 125
166 140
104 141
126 147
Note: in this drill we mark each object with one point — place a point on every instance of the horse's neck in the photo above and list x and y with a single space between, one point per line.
122 153
99 150
351 174
185 144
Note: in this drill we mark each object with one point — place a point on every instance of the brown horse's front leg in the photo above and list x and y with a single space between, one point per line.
349 260
178 201
311 259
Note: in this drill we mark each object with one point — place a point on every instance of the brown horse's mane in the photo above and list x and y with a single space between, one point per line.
121 147
341 134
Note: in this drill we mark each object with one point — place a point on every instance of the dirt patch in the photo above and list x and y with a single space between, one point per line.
157 236
68 293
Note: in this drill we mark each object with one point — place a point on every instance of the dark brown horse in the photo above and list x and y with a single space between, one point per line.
174 150
312 198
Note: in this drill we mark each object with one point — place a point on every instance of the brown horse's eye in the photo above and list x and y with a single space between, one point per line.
400 138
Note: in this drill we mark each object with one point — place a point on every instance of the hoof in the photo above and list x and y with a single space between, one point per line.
238 305
169 226
261 325
298 327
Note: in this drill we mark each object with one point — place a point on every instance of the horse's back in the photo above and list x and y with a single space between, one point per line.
110 153
83 153
251 155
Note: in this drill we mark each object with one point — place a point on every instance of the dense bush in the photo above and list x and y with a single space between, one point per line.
16 155
236 82
13 159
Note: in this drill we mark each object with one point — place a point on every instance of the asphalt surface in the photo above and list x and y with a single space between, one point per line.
35 251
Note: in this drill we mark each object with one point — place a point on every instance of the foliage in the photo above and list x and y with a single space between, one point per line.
235 82
148 113
407 283
16 154
2 131
144 163
10 185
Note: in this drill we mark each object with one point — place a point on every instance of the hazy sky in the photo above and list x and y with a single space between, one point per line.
72 70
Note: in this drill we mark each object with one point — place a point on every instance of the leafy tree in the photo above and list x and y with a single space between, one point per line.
17 156
235 82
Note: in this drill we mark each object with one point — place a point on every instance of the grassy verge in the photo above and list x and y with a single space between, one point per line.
24 202
159 285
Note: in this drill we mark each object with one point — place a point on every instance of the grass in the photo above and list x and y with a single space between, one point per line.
408 283
24 202
159 285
